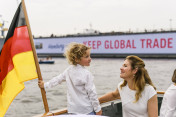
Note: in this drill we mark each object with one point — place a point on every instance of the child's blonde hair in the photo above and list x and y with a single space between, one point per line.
75 51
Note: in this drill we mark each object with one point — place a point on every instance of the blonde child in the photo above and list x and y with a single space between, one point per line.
81 92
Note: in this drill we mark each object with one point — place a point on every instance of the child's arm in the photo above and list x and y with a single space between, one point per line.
53 82
91 92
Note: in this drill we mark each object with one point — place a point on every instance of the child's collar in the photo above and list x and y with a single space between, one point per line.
79 65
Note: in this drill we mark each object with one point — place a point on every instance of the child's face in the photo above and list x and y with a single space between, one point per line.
86 59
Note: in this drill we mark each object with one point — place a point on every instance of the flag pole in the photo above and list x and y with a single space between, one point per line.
35 58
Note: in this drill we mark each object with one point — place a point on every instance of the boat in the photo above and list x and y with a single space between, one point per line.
47 62
111 108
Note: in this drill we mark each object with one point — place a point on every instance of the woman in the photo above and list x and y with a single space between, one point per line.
136 91
168 107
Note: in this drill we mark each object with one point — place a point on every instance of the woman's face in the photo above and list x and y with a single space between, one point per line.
126 71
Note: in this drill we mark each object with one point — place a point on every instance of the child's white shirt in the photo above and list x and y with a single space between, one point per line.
81 93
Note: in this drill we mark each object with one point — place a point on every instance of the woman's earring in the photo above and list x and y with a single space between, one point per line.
133 75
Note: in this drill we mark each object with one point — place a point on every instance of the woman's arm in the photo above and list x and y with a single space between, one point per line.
110 96
153 106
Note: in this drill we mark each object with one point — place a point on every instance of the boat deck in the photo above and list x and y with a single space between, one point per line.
112 108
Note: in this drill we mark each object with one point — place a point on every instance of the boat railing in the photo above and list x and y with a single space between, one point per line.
103 105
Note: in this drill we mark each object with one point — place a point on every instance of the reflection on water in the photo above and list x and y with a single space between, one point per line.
106 71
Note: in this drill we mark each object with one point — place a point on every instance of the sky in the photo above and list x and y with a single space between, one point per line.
61 17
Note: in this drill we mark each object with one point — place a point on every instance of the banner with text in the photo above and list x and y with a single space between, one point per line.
158 43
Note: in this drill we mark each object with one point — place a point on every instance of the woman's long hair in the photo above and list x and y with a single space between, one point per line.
141 77
174 76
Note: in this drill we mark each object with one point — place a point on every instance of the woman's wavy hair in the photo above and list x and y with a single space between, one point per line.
75 51
174 76
141 78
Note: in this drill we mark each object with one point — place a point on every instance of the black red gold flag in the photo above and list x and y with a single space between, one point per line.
17 63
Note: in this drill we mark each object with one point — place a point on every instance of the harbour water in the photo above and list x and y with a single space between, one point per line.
106 71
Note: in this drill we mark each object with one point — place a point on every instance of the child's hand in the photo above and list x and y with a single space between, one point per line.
99 113
40 83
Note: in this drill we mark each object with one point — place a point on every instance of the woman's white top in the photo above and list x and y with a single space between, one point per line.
168 106
129 106
81 93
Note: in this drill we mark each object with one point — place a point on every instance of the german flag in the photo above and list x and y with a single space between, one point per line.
17 63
